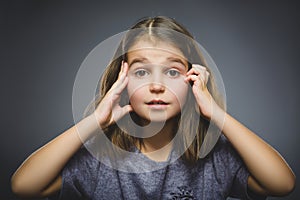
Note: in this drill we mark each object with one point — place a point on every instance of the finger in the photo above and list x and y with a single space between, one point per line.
118 82
197 66
197 69
192 71
125 68
127 109
197 80
121 112
194 78
122 85
121 77
207 77
121 68
200 72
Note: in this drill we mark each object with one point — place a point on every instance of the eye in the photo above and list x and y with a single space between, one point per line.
141 73
173 73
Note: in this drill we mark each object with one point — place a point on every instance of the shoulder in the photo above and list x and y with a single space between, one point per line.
82 162
77 174
224 156
224 150
223 144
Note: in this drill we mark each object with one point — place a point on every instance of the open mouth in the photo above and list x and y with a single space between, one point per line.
157 102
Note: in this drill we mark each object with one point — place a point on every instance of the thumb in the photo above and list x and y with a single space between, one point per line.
126 109
123 111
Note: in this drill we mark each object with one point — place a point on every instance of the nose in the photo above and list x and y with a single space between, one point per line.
156 88
156 84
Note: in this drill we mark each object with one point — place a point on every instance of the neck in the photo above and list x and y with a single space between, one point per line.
159 141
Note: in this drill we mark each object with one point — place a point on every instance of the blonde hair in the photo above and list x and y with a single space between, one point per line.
163 29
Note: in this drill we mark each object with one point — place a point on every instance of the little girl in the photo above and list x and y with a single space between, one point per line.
143 139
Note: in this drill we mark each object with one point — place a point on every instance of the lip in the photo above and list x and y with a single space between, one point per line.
157 104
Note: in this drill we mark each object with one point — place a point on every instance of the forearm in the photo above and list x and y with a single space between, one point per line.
264 163
45 165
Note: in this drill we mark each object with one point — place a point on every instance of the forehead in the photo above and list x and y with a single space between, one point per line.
154 49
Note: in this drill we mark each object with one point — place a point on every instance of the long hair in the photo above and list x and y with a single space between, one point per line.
191 127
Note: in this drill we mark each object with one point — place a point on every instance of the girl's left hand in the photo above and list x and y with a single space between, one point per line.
199 76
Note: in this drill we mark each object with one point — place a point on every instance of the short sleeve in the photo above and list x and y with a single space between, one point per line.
238 178
240 186
78 177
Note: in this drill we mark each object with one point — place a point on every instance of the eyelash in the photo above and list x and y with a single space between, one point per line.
138 72
173 70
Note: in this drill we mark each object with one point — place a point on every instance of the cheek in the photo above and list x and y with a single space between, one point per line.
136 94
134 85
179 90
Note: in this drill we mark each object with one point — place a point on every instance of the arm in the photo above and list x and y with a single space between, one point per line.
270 174
39 175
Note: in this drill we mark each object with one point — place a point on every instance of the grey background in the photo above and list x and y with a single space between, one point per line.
255 45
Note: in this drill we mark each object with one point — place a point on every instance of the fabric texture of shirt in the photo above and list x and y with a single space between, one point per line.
219 175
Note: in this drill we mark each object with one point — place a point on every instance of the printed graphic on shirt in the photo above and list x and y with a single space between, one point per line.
182 193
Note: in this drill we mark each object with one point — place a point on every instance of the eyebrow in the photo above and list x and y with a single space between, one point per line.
138 60
145 60
173 59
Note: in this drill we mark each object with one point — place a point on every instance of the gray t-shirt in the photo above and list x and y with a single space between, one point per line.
219 175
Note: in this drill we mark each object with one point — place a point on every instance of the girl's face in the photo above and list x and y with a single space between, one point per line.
156 86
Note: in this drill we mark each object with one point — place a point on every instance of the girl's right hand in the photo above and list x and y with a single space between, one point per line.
109 110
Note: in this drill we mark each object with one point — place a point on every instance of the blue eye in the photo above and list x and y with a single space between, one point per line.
173 73
141 73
